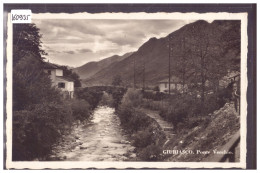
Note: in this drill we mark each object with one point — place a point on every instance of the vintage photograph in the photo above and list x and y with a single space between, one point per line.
159 89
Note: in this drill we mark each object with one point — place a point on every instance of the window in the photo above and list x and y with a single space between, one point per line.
49 72
61 85
166 85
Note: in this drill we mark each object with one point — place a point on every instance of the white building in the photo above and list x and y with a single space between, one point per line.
175 85
65 84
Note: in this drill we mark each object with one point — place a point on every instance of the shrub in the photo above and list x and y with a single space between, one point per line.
185 110
142 138
117 94
151 153
37 129
132 119
80 109
91 95
132 98
127 112
106 100
155 95
146 133
94 94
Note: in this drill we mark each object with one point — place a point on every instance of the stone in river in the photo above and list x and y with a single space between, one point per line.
132 155
132 149
125 142
82 147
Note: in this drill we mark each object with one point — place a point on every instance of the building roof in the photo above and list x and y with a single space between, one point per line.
48 65
65 78
174 79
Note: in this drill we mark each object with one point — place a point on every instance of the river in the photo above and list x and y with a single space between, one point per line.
100 139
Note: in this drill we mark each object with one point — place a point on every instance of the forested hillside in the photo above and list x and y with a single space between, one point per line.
199 52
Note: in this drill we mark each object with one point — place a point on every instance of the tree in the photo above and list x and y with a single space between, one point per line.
74 76
117 80
30 84
39 116
200 50
183 62
205 57
26 40
231 42
76 79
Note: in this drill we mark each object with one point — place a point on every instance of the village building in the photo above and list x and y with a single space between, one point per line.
175 85
64 84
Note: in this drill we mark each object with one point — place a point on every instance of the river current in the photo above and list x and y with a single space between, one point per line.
100 139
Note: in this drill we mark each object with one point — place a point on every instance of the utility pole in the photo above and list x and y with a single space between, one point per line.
170 49
134 71
183 59
143 73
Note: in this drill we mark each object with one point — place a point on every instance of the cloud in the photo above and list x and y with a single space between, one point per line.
84 50
134 32
89 40
78 26
69 52
52 51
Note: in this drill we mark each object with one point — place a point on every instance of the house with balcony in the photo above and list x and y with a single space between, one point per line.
64 84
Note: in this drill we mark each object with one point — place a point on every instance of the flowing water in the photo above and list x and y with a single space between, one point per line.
101 139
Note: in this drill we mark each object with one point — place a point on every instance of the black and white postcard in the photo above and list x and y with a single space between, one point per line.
126 90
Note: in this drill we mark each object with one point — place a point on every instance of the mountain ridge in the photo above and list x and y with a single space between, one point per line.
151 59
87 70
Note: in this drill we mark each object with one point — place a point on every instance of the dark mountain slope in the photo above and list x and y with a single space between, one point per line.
152 58
87 70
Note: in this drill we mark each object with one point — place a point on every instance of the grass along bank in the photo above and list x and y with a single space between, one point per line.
196 129
211 134
146 134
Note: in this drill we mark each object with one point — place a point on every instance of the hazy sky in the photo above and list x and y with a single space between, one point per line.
76 42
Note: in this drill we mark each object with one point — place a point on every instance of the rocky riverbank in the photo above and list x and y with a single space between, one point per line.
100 139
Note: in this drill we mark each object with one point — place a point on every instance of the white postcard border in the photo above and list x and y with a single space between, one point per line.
122 165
